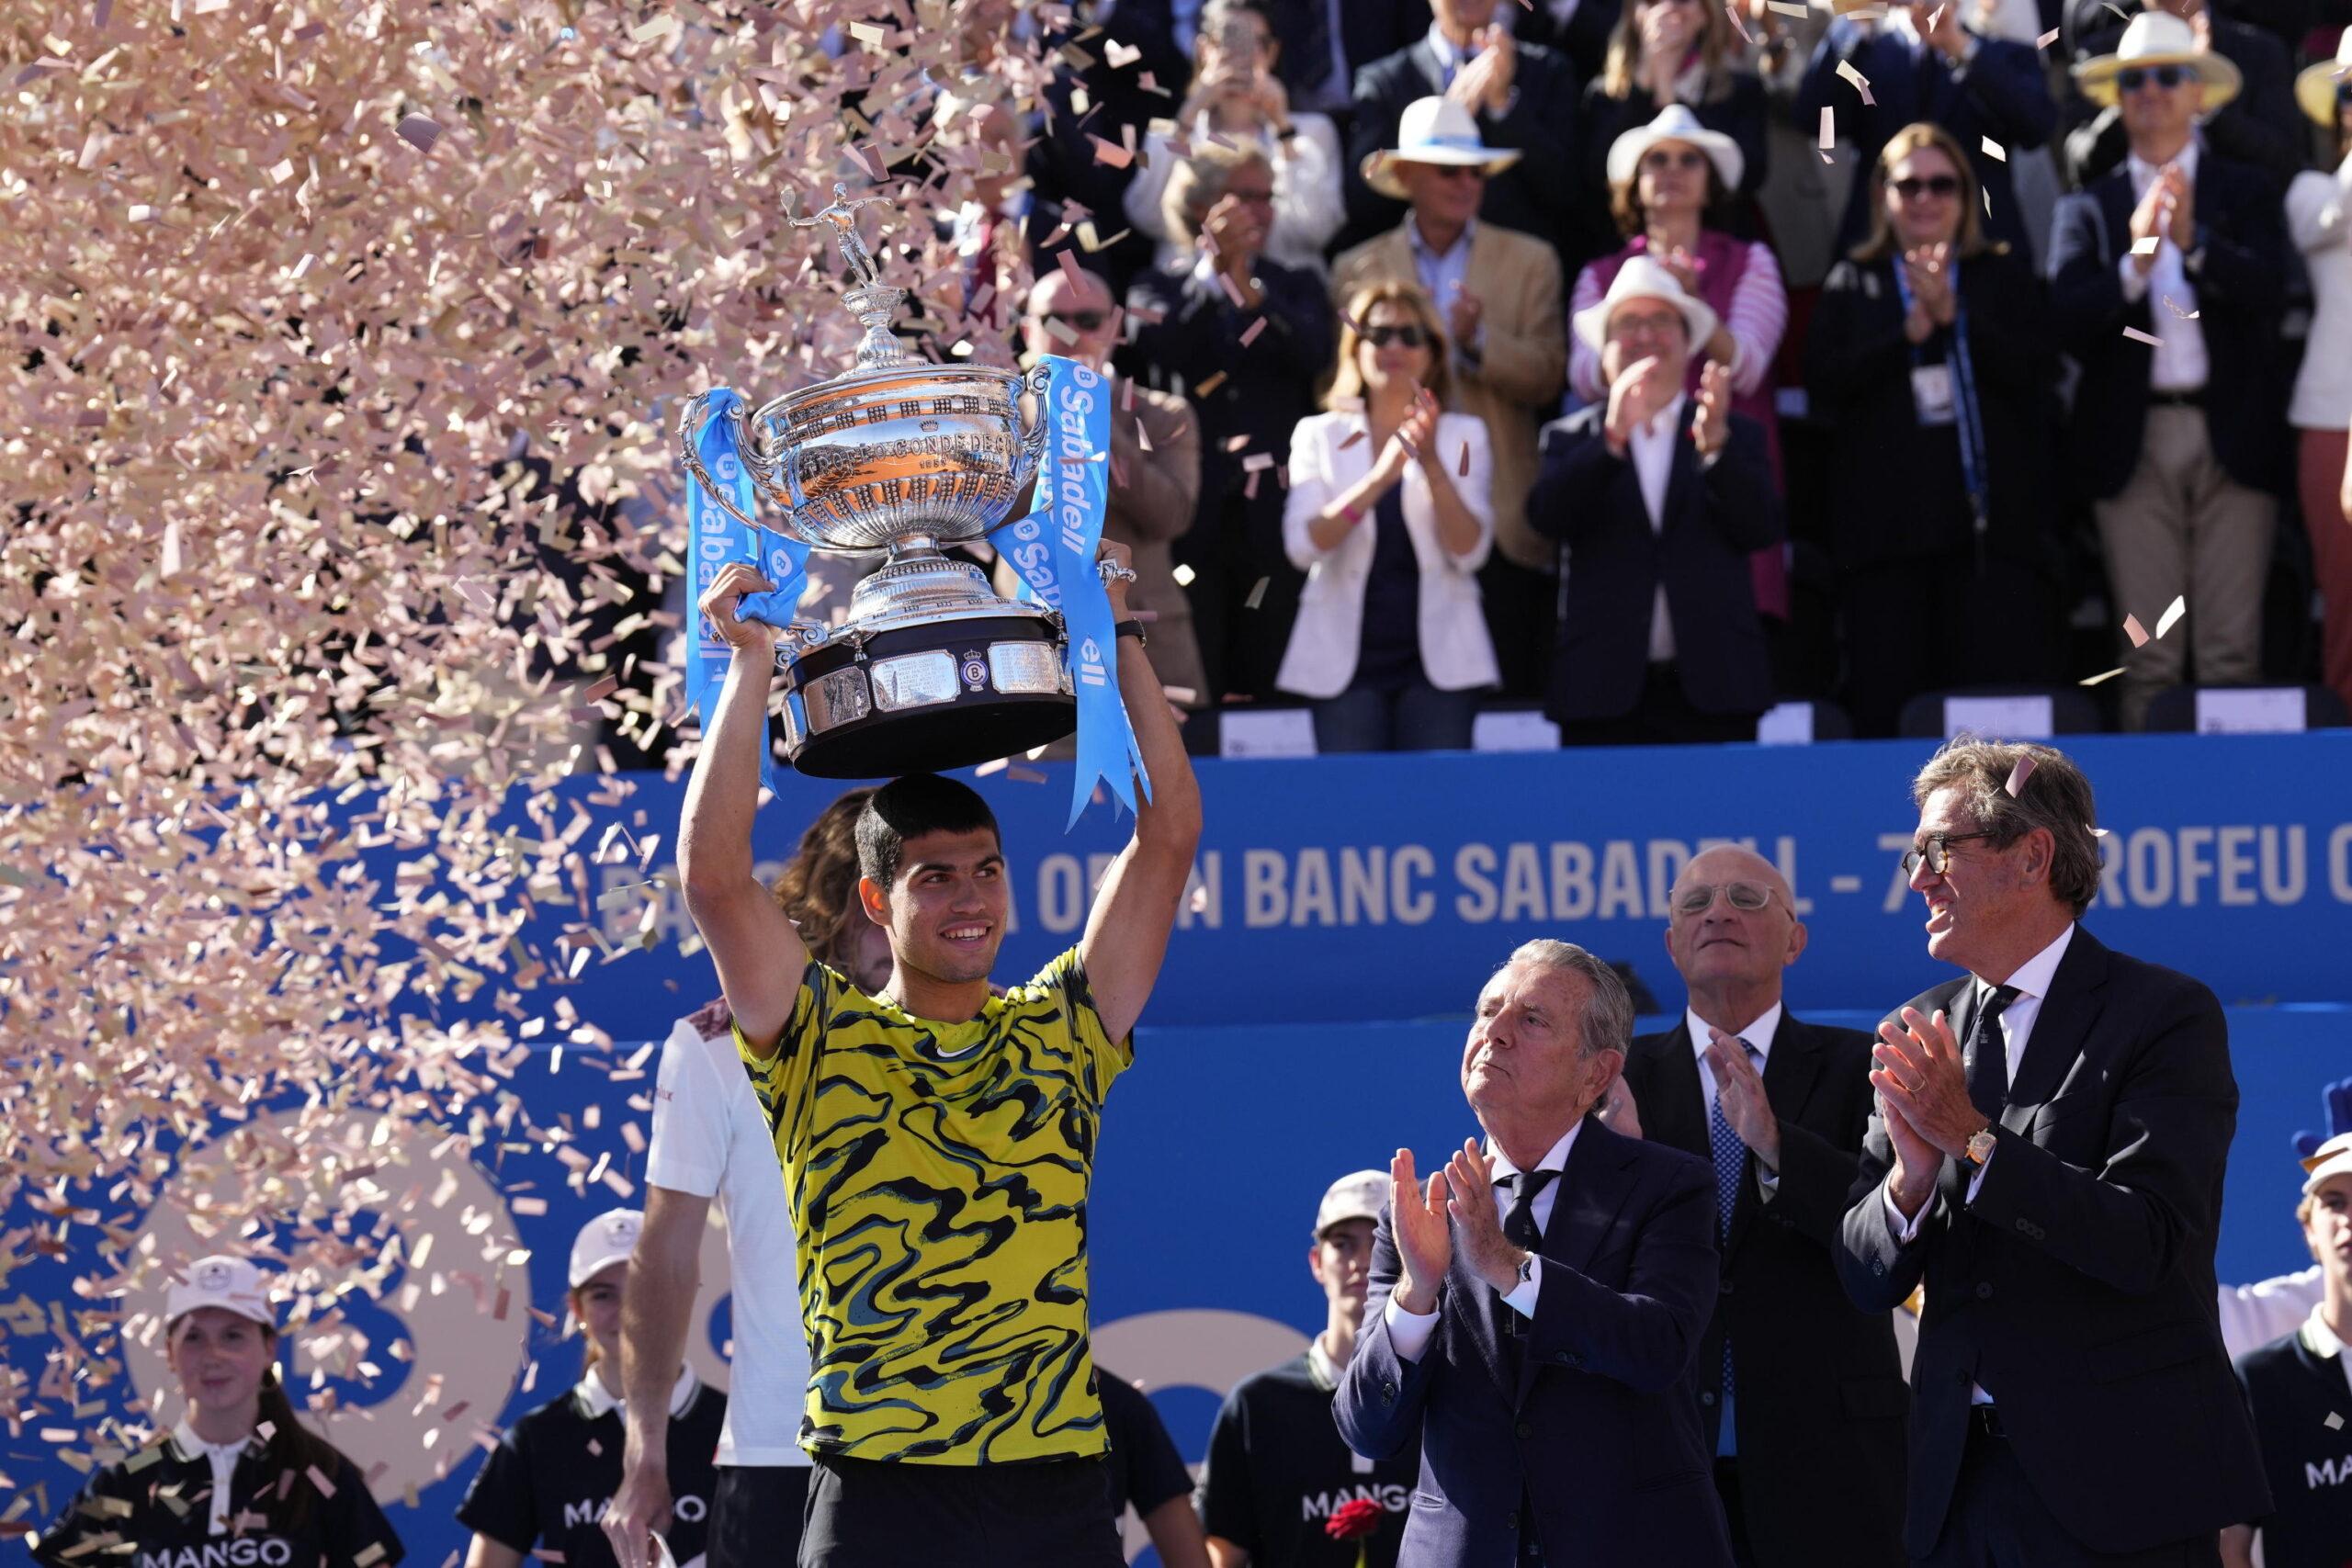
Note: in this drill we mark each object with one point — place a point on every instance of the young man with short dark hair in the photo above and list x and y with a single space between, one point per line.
937 1140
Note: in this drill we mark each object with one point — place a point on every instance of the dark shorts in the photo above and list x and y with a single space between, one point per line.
755 1515
1054 1513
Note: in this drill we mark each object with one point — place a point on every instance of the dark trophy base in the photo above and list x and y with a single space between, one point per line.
945 693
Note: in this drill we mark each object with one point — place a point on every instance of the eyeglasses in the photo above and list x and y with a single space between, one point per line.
1699 896
1081 321
1937 856
1940 185
2132 78
1684 158
1408 334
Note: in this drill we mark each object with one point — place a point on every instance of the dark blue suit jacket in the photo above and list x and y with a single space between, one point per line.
2001 94
1590 501
2240 260
2077 1285
1601 1427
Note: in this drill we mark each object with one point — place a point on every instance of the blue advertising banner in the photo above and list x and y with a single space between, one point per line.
450 1320
1382 887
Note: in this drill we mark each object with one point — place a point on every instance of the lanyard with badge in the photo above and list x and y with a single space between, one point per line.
1946 394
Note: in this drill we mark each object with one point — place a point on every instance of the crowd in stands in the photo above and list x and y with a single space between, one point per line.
1658 363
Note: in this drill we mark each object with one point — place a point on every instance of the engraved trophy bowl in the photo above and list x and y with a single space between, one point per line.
933 669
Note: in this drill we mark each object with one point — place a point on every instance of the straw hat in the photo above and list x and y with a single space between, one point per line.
1643 277
2315 85
1675 123
2158 37
1433 130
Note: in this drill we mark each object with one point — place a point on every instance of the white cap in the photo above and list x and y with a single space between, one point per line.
603 1241
2330 1160
1360 1195
229 1283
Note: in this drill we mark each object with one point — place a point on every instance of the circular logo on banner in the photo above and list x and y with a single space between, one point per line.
396 1288
1205 1348
727 469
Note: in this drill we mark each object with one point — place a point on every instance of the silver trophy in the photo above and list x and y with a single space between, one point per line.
932 670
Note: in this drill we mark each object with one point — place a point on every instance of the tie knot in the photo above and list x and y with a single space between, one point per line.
1997 1001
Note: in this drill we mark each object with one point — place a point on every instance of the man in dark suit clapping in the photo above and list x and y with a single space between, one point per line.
1536 1306
2048 1156
1800 1395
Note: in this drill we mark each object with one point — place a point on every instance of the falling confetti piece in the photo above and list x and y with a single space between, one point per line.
1828 129
2332 1421
2018 774
2146 244
1462 468
1249 333
169 565
2101 677
2173 613
1996 152
1120 55
2136 335
1257 594
1354 437
1183 574
2046 39
1847 71
419 131
1110 152
2137 633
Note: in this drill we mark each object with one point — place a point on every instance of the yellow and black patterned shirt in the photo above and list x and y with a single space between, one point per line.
937 1179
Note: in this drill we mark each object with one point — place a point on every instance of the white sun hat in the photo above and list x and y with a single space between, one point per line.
1433 130
1645 278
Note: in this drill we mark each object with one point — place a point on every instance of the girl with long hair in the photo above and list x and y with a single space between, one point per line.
244 1470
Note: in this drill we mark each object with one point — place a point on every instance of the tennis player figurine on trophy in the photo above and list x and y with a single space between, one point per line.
932 670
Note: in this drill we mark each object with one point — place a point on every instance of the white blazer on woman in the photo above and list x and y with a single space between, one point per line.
1457 652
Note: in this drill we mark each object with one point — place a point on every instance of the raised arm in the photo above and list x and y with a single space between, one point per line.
758 953
1127 934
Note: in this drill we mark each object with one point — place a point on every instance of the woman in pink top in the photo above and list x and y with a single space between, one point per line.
1667 179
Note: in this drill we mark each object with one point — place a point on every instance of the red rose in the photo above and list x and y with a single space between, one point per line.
1354 1521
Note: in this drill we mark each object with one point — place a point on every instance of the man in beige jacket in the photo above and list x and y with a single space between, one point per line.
1498 293
1155 472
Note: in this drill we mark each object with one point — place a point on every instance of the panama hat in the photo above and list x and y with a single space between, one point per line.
1675 123
2158 37
2315 85
1433 130
1643 277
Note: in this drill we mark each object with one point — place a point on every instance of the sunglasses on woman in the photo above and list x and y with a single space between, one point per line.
2132 78
1682 158
1408 334
1931 184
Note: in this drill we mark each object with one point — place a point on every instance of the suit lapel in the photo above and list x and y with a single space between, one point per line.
2059 1029
1425 62
1593 1189
1789 1072
1682 1098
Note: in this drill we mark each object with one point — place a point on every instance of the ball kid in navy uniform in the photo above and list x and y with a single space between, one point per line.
238 1483
545 1486
2300 1389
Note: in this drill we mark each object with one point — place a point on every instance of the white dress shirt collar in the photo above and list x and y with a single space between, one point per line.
2143 171
1558 1160
1448 57
1759 1035
224 1457
596 1399
1424 251
2034 976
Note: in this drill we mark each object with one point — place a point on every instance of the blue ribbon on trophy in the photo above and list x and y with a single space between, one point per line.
713 539
1053 550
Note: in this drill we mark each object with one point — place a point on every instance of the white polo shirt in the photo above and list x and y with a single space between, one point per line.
710 1139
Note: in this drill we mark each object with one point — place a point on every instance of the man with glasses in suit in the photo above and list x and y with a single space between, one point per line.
2047 1157
1800 1394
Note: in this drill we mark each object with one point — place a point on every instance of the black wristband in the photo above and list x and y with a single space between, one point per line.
1135 630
